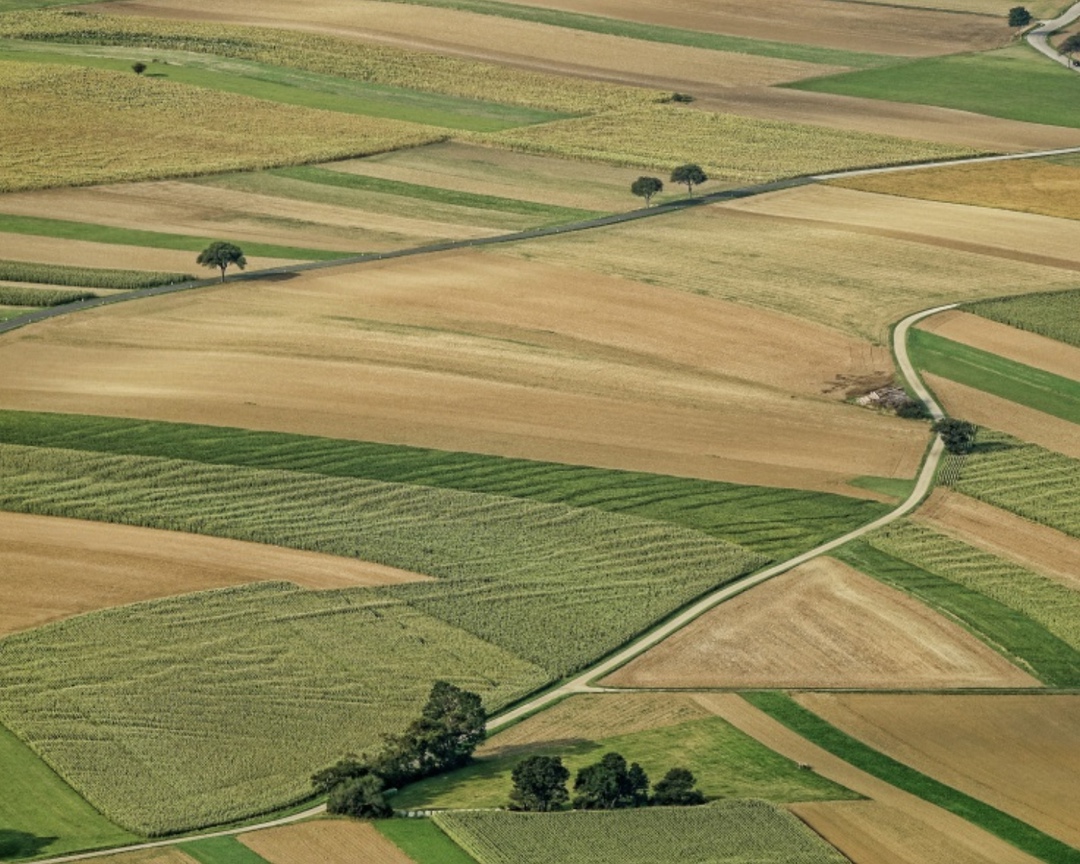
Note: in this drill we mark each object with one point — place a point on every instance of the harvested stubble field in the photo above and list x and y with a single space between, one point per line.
1018 753
1053 315
478 352
169 129
729 147
1004 534
843 629
1029 185
328 841
997 8
55 568
884 30
197 710
729 831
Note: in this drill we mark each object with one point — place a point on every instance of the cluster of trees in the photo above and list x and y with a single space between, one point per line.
610 784
958 436
646 187
442 738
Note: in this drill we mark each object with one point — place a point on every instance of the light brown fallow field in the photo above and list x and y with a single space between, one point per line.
1019 753
1005 534
823 624
1030 349
481 352
326 841
162 855
55 568
1027 424
903 829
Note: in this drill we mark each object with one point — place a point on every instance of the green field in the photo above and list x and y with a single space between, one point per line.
1055 315
1024 385
730 832
423 841
211 707
221 850
997 83
14 295
40 814
8 312
726 762
1008 828
85 277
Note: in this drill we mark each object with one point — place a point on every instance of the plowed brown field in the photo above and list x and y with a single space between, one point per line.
55 568
479 352
1018 753
1005 534
994 412
1030 349
885 30
823 624
326 841
896 830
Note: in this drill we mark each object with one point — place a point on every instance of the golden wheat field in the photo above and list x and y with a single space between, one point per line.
127 127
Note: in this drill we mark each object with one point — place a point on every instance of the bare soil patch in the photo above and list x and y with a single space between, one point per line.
479 352
994 412
591 717
1018 753
881 30
903 816
1005 534
840 629
1030 349
328 841
55 568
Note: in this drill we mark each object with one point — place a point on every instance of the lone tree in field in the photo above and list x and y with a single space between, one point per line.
539 784
691 175
610 785
221 255
1019 17
677 789
138 68
957 435
646 187
1070 45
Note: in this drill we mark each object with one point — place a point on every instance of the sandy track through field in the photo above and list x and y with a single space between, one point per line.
1018 753
337 841
842 629
1005 534
55 568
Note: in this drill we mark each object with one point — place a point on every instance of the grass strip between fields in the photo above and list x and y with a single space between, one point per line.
221 850
546 212
1054 314
999 376
64 229
423 841
661 33
783 708
1048 657
776 522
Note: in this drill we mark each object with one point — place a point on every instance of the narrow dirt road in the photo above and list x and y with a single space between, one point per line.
1039 38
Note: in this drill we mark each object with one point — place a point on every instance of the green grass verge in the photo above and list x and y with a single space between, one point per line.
1049 658
660 33
726 763
545 213
9 312
991 373
67 230
289 86
85 277
423 841
778 523
40 814
997 83
221 850
1055 314
733 832
1042 846
891 486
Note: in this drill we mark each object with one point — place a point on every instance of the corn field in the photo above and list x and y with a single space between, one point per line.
84 277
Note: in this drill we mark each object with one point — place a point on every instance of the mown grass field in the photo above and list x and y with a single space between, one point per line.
423 841
1055 315
220 850
732 832
997 83
773 522
85 277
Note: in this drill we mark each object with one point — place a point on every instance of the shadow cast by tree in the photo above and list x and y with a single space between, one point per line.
16 845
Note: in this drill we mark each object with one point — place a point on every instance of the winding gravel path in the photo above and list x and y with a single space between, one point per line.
1038 38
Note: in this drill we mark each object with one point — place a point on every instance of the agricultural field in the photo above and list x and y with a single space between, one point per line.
1018 753
1049 315
731 831
332 841
842 629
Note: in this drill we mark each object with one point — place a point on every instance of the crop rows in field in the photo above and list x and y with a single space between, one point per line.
1055 315
730 832
169 130
727 146
774 522
205 708
556 585
84 277
373 64
16 295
